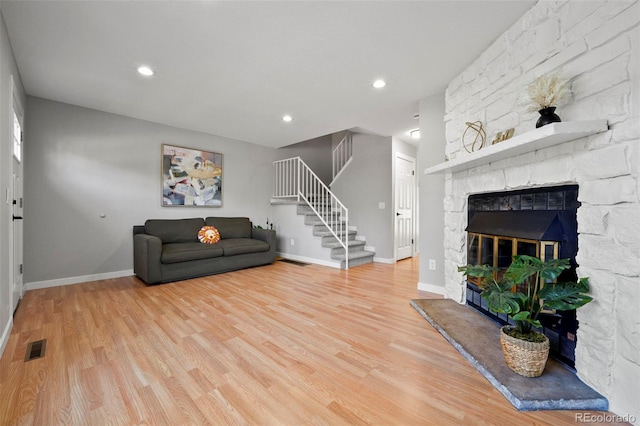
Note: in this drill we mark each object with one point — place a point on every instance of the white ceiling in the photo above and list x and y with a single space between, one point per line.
234 68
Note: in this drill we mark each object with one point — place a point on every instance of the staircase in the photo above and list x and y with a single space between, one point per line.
341 156
357 254
328 216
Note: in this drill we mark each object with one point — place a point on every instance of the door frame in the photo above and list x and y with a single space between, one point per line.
414 211
16 166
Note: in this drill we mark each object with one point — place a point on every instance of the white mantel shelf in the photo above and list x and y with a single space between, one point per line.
543 137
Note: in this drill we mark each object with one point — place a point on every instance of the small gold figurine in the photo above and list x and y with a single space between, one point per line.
503 136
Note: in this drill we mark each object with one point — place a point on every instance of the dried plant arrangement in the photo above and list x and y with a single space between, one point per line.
547 91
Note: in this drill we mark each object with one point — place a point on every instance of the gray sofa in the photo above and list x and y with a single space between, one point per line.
167 250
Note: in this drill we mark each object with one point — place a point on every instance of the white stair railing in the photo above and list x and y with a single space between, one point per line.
294 179
342 155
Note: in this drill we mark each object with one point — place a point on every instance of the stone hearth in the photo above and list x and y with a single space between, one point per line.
557 388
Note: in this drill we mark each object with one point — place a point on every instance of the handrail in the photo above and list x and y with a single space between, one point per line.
341 155
286 181
294 179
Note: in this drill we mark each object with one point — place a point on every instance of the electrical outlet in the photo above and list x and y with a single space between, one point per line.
432 264
293 242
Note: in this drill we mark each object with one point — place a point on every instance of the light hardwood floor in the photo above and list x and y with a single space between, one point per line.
275 345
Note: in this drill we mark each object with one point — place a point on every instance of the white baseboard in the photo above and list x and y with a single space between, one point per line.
329 263
384 260
5 335
77 280
431 288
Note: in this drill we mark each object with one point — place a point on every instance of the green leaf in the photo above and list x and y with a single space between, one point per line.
583 284
504 302
552 269
524 267
525 325
566 296
521 316
525 274
480 271
535 323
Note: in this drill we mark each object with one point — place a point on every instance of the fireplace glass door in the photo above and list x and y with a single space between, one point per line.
497 251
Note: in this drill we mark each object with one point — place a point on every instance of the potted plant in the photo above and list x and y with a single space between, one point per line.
522 292
545 94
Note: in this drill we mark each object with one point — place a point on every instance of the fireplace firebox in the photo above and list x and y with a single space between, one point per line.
538 222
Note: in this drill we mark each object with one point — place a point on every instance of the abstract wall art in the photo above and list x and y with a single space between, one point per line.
191 177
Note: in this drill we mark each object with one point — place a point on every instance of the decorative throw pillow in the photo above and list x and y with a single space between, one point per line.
208 235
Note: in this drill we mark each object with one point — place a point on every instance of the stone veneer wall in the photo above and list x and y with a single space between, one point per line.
595 45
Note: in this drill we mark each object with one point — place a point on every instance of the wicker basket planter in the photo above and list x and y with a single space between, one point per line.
525 358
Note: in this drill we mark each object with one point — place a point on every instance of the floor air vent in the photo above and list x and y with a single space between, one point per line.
35 350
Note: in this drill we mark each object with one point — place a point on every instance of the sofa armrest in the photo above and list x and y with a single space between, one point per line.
266 235
147 250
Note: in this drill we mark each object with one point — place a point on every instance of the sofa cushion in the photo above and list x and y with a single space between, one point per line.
184 252
233 246
231 227
208 235
174 230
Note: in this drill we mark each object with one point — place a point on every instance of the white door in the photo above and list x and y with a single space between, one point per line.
17 165
405 189
17 240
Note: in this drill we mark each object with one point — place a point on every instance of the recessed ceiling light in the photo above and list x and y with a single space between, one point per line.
379 84
146 71
415 134
287 118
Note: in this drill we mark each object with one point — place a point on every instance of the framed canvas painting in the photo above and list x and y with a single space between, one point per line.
191 177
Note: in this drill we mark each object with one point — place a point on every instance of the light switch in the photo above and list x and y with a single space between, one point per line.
381 205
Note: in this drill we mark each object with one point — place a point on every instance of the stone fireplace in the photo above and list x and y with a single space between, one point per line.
594 45
606 251
607 248
538 222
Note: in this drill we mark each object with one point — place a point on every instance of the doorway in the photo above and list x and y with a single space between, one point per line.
16 228
405 195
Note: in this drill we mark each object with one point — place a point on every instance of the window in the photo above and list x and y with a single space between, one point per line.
17 137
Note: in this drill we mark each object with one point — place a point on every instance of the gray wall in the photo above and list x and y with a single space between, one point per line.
7 69
404 148
306 247
431 190
316 153
83 163
363 184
